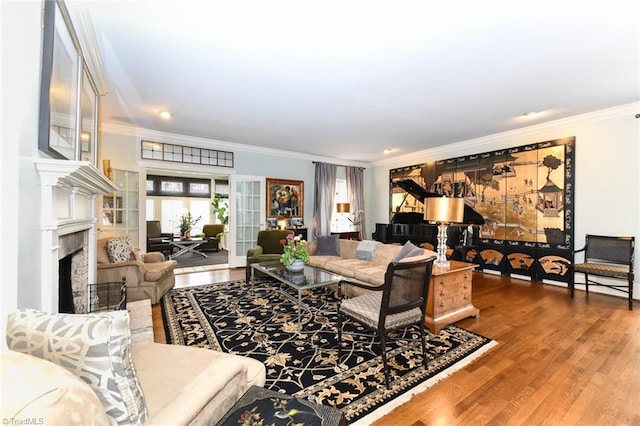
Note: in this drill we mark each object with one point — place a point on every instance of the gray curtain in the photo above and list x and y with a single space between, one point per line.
355 189
324 193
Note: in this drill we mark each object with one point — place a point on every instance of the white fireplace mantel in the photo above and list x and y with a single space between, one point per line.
69 192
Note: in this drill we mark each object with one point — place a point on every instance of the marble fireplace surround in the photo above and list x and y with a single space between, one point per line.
69 193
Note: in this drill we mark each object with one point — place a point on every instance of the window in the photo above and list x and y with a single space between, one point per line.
166 186
185 154
173 187
340 221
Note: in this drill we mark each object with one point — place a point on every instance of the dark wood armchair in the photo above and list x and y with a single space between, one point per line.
158 240
398 303
607 257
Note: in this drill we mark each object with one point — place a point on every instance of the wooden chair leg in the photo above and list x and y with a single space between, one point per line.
630 295
424 346
383 345
586 283
339 335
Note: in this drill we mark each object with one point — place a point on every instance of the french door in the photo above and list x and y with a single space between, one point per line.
247 216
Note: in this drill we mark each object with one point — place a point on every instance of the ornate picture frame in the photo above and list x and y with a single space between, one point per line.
285 197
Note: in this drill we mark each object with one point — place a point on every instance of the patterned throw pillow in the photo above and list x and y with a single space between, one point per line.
95 347
119 249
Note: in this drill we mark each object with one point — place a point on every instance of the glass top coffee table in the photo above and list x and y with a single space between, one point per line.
307 279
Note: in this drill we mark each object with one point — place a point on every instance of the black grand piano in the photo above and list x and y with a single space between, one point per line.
411 226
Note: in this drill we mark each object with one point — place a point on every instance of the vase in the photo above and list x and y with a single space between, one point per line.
296 266
186 235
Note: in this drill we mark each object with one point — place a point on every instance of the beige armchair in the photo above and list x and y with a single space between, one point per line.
149 278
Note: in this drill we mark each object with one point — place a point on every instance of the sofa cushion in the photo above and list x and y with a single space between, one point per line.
408 250
119 249
346 267
373 274
319 261
34 388
96 347
192 378
159 270
328 245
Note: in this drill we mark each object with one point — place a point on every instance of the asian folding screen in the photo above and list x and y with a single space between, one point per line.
524 194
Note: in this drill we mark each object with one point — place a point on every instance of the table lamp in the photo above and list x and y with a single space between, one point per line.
443 211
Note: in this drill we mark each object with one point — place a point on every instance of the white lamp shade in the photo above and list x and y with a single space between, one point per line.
444 210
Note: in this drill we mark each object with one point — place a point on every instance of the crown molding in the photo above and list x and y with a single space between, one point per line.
491 140
158 136
85 33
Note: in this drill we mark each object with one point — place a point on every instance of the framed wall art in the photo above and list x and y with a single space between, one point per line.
272 223
60 87
285 198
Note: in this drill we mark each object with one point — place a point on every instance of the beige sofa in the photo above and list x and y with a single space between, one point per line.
180 385
149 278
349 266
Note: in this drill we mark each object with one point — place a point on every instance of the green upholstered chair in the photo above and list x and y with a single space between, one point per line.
213 234
268 247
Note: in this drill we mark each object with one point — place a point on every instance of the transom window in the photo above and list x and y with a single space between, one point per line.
166 186
186 154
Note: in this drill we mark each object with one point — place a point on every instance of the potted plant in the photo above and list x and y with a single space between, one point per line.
295 253
221 211
186 223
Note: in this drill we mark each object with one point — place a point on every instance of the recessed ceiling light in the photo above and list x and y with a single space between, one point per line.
388 151
531 114
165 114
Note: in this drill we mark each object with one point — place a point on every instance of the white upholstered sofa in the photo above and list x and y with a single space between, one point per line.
108 380
365 262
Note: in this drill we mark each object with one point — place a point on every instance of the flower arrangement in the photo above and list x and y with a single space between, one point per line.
187 222
357 218
295 248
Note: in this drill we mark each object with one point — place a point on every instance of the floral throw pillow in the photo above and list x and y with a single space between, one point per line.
119 249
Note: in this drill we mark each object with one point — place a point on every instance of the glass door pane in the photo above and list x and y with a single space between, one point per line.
247 218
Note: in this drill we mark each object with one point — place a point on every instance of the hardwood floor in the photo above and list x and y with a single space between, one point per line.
559 360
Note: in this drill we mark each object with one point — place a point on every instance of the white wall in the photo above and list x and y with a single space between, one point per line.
19 213
607 192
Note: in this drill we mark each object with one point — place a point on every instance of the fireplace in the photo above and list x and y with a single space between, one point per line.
73 273
68 232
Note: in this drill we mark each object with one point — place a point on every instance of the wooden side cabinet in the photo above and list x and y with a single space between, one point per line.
450 296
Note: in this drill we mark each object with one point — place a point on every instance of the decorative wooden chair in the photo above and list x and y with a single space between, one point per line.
608 257
398 303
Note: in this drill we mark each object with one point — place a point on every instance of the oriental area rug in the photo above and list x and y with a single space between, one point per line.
299 348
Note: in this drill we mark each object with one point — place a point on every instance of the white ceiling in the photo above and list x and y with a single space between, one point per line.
349 79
